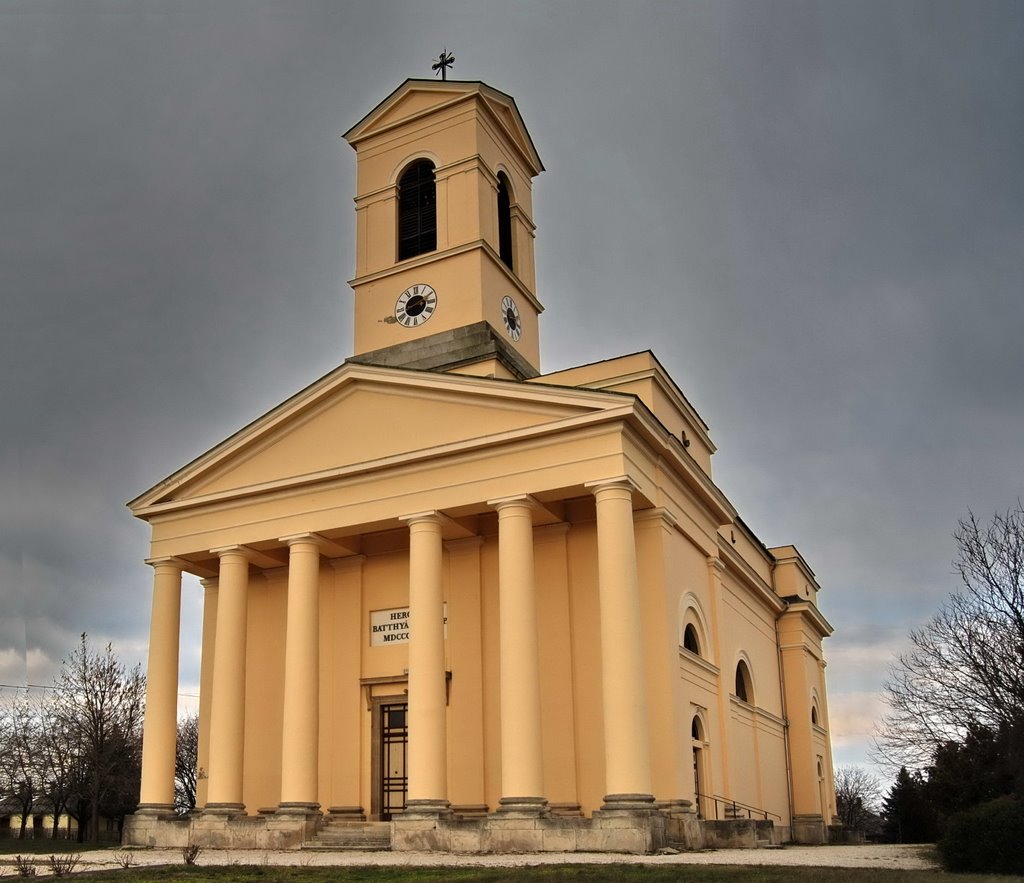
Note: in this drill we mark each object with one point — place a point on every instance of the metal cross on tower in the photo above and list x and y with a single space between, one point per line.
444 61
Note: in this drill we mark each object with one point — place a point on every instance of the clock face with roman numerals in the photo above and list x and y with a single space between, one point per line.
415 305
510 315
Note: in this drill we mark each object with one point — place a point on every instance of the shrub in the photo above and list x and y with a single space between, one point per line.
63 865
24 866
986 838
125 859
190 853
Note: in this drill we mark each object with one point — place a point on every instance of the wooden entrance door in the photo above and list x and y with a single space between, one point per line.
391 776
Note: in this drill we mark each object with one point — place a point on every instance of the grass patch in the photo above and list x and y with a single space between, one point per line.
612 873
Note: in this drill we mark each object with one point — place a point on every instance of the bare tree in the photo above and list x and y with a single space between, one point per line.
858 797
186 759
99 705
19 772
59 761
966 665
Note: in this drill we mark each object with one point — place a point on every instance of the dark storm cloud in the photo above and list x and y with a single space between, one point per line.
812 212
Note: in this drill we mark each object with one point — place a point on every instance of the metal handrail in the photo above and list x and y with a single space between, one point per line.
736 806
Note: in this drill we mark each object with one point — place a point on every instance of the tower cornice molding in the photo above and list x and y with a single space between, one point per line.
459 92
425 260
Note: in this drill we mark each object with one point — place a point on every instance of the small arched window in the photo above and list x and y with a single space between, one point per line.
814 715
696 730
504 221
690 640
744 684
417 211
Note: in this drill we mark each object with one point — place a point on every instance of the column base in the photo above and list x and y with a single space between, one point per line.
630 802
678 807
522 806
224 809
347 813
426 808
298 808
155 809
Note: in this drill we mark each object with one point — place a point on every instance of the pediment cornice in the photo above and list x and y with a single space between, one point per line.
501 110
577 404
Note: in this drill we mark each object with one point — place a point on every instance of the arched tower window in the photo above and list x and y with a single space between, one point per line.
417 211
744 684
504 221
690 640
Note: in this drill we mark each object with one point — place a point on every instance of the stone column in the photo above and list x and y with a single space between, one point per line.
626 739
160 727
300 737
522 768
227 718
206 689
427 750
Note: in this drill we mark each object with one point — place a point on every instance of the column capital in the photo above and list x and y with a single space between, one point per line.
621 482
222 551
178 564
518 500
308 537
431 516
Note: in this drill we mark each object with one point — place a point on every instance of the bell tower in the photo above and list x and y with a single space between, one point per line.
444 232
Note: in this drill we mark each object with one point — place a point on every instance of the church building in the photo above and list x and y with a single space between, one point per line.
454 603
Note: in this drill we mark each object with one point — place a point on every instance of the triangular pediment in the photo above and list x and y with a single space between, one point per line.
364 416
417 98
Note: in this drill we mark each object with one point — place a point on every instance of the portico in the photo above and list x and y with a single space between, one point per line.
302 567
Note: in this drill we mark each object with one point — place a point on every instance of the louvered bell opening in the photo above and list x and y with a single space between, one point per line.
504 223
417 213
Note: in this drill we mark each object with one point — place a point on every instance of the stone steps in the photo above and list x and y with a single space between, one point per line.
352 836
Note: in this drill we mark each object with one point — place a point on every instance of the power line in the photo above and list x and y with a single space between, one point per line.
54 689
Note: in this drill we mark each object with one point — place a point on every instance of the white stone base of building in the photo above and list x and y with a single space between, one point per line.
615 831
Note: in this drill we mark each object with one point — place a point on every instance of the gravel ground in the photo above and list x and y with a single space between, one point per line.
867 856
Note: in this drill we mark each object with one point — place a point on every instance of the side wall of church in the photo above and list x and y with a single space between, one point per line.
755 734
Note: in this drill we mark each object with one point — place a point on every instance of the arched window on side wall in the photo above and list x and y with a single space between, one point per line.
744 683
504 221
417 210
690 640
814 714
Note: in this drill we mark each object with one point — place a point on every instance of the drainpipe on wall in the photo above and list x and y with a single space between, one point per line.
785 713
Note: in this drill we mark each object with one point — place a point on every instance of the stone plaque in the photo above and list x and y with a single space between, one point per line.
392 626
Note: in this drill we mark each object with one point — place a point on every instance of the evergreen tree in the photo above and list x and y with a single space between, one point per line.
908 815
976 770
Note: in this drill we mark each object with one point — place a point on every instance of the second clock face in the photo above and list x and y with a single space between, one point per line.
510 315
415 305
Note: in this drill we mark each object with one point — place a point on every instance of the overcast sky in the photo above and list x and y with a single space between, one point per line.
813 213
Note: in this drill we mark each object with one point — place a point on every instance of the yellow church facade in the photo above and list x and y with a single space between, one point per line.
465 603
